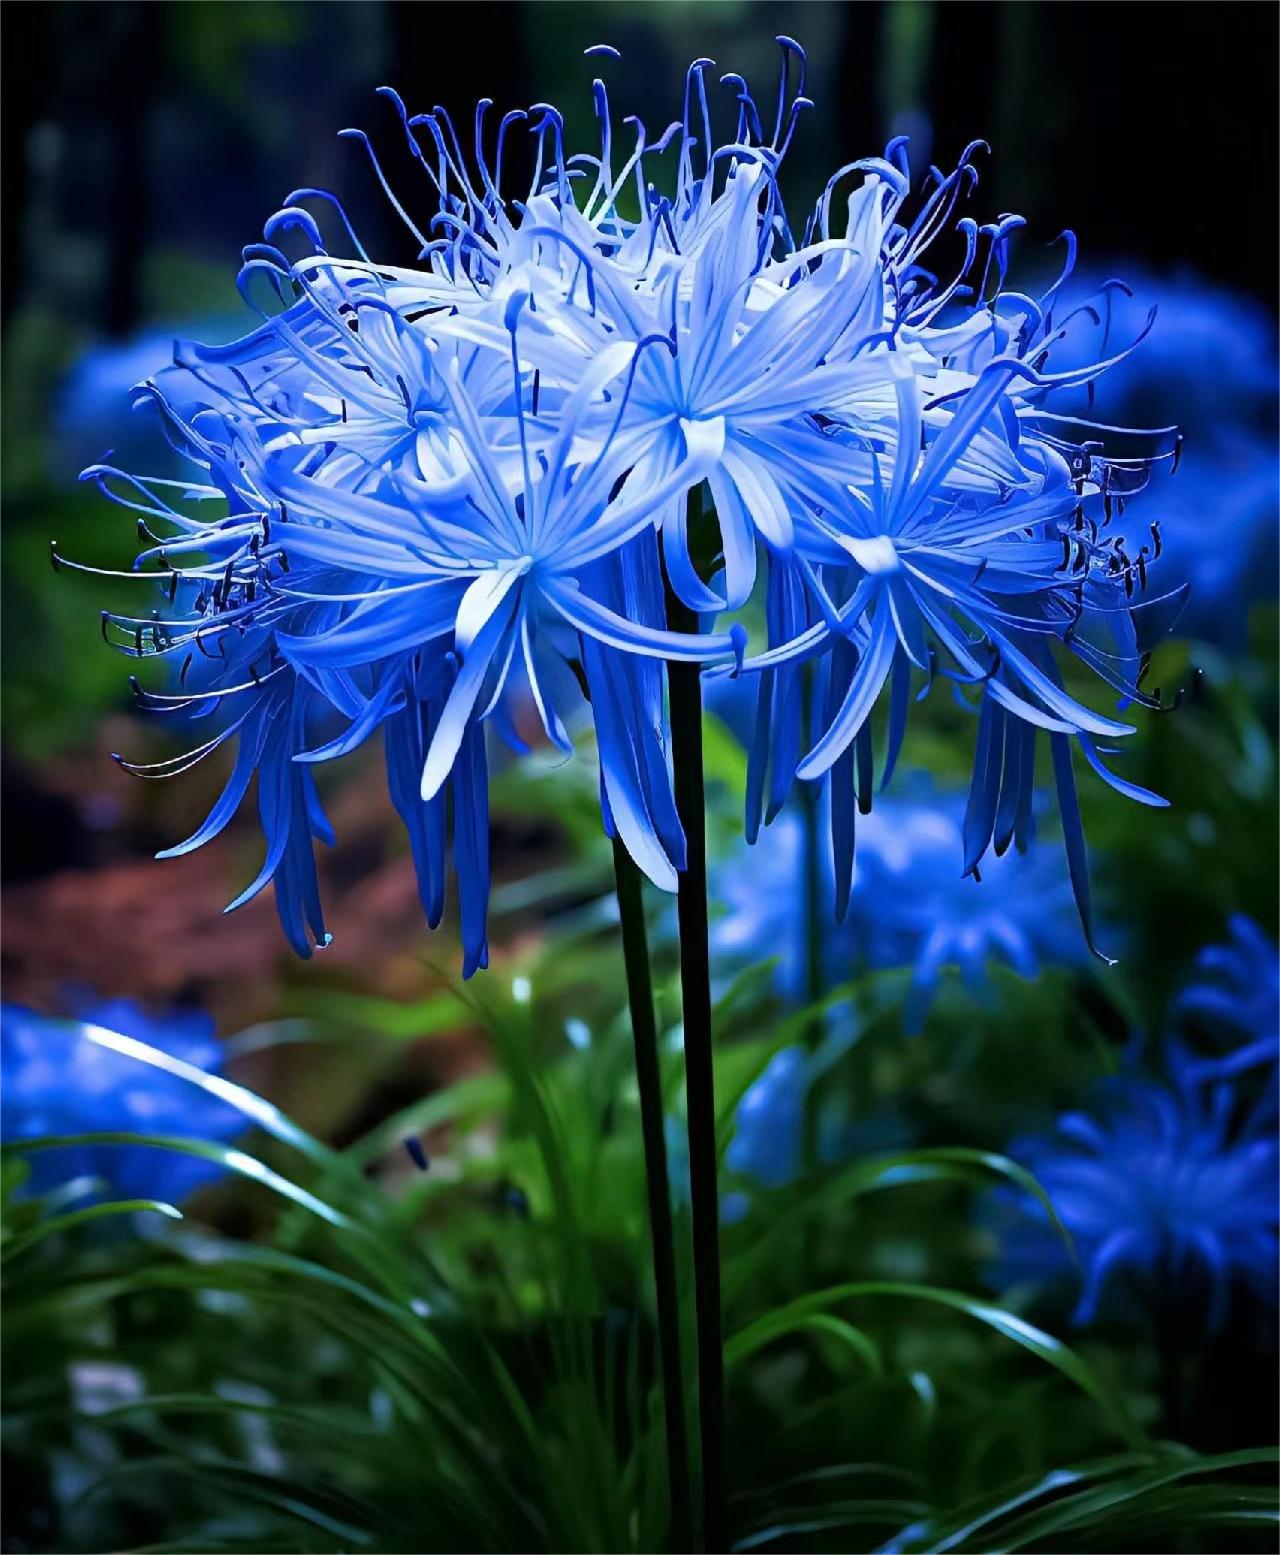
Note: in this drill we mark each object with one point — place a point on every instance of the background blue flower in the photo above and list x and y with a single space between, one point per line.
912 905
761 889
94 411
1208 366
766 1141
1169 1191
1236 986
57 1081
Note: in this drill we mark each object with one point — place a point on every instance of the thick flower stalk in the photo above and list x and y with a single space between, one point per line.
430 495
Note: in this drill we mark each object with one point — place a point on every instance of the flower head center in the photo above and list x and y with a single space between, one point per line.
877 556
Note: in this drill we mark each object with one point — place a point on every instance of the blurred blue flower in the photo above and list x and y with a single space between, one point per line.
95 412
1236 986
768 1138
1165 1190
916 904
912 905
1219 518
770 1121
1210 365
58 1081
762 891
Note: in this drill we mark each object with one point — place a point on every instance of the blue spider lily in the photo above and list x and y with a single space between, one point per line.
1235 988
428 492
1168 1191
459 580
908 574
916 903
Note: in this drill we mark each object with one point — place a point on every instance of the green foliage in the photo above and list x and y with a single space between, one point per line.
337 1354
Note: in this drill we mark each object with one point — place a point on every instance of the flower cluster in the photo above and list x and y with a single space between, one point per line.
56 1081
594 418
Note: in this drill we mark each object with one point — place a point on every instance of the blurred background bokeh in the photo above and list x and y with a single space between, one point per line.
145 144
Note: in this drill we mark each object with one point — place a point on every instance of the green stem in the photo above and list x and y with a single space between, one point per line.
635 950
695 984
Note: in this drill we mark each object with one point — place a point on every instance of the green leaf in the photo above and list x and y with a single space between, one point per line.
226 1156
257 1110
1085 1499
272 1034
442 1012
723 758
1098 1504
857 1516
777 1324
383 1254
342 1428
1042 1345
56 1224
939 1536
326 1511
903 1168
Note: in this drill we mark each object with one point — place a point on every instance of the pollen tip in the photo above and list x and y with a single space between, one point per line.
738 638
511 313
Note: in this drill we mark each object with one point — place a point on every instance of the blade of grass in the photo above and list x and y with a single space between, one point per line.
1044 1346
226 1156
902 1168
57 1224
